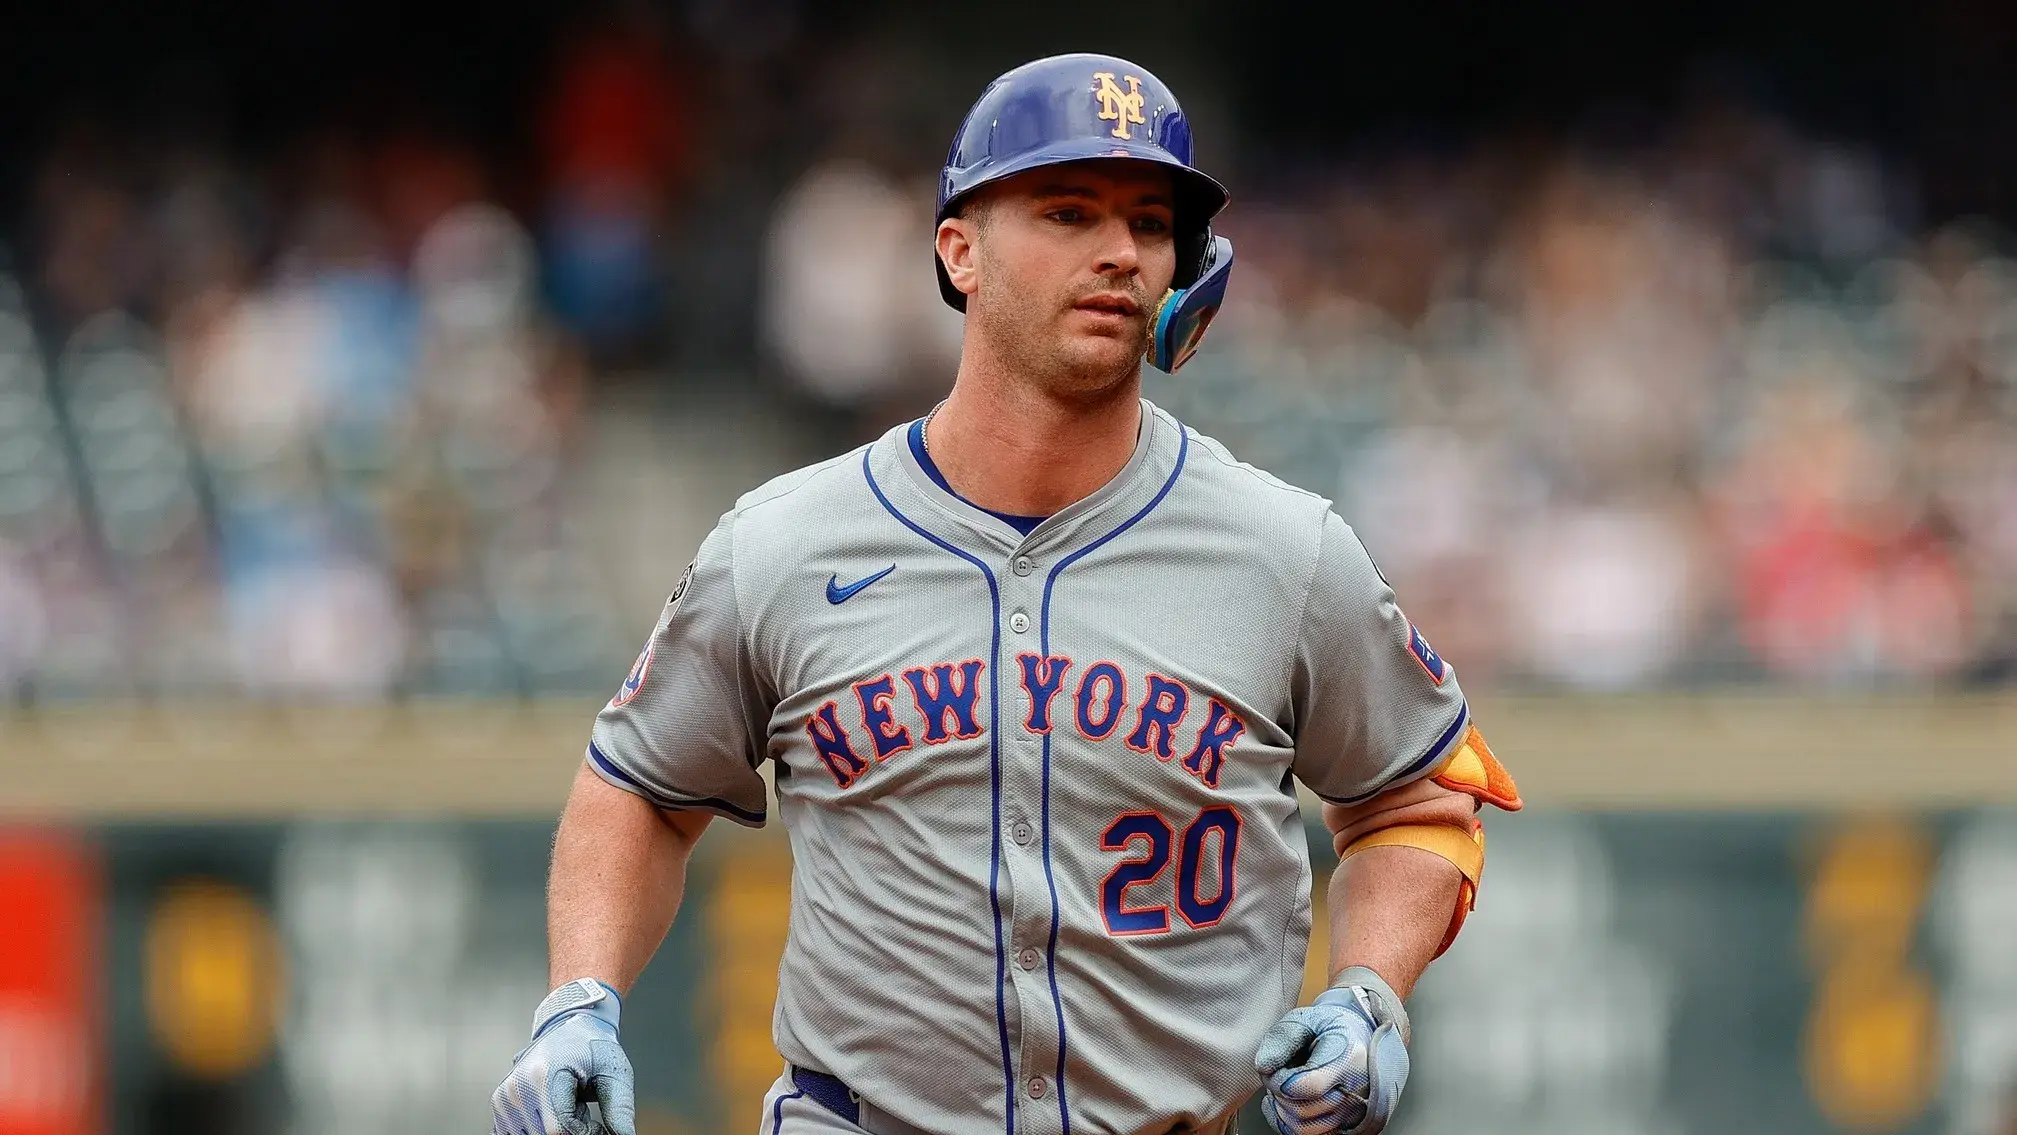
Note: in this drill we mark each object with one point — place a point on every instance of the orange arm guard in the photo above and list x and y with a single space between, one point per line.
1437 814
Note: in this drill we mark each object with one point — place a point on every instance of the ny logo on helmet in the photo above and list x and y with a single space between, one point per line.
1117 106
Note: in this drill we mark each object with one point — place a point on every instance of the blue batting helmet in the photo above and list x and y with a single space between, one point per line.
1069 108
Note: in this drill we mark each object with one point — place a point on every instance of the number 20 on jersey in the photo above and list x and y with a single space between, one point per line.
1211 840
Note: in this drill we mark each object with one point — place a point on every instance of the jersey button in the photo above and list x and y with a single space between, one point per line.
1019 622
1024 565
1038 1087
1028 958
1022 832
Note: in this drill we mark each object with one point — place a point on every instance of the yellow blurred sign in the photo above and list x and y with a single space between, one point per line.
214 978
747 919
1873 1034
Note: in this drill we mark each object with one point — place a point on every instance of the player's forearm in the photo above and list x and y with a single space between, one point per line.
1390 907
619 871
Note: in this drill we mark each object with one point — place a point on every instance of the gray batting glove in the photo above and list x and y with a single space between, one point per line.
574 1060
1337 1066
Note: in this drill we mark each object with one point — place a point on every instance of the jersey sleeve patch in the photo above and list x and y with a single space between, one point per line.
1426 655
634 681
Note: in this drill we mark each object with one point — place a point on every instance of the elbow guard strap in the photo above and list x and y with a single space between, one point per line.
1475 772
1463 848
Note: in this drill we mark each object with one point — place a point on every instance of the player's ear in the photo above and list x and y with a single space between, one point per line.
956 252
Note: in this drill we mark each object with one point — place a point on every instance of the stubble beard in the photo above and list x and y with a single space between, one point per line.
1039 352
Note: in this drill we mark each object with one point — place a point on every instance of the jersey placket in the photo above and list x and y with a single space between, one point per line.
1029 906
1021 568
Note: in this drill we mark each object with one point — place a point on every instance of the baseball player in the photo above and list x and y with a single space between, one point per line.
1036 676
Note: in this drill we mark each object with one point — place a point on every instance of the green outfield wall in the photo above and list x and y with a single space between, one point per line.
1722 914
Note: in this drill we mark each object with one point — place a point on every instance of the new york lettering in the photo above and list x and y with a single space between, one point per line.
943 704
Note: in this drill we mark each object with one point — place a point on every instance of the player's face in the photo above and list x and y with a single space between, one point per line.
1070 263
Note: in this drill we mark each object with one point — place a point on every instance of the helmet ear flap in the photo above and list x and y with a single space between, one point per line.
1185 313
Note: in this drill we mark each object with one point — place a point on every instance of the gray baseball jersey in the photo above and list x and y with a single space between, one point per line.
1049 872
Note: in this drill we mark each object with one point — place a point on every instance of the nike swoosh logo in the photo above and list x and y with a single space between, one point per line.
837 594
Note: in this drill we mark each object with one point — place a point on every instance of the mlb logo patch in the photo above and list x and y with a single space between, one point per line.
635 680
1426 655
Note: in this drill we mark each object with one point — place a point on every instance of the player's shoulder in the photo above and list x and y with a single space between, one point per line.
807 489
1299 532
1215 460
1239 490
771 524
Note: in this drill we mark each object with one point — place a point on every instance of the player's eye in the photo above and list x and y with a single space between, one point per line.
1068 215
1151 225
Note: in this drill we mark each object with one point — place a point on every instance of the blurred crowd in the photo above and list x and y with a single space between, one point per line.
1704 404
301 430
1707 410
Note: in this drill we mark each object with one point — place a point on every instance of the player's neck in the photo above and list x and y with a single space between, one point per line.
1012 449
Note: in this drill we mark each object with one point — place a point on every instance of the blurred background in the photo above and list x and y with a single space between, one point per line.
368 373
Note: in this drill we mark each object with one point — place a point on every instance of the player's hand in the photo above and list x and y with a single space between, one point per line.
574 1060
1337 1067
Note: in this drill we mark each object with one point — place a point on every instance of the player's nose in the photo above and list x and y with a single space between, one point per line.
1118 252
